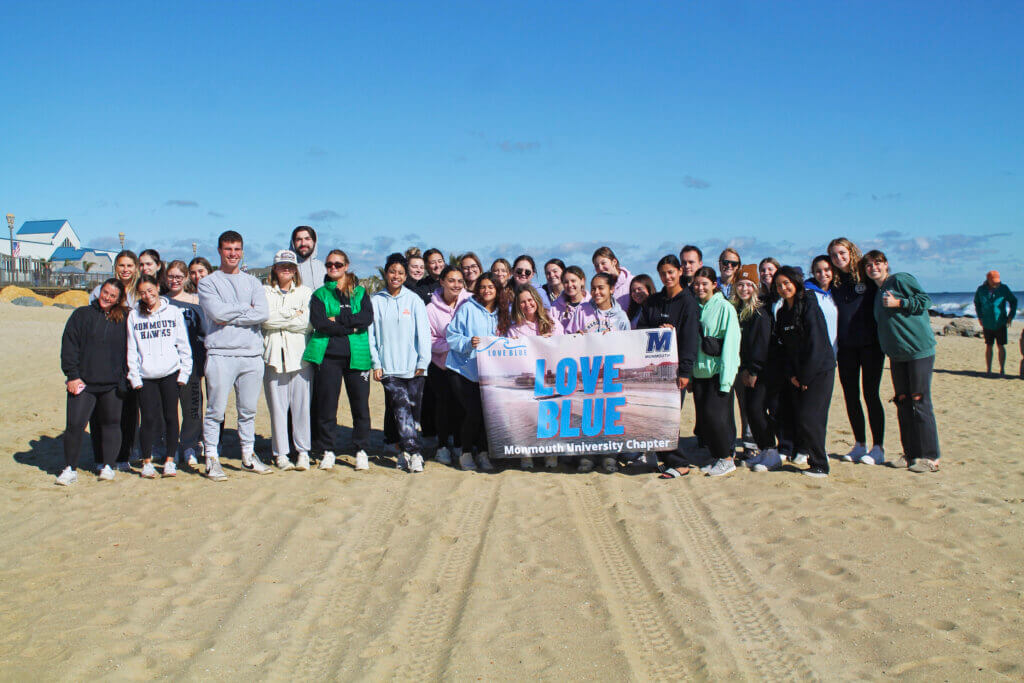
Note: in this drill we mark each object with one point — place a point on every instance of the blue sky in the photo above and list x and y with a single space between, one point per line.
541 127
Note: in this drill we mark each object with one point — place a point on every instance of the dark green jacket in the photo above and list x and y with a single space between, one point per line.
905 333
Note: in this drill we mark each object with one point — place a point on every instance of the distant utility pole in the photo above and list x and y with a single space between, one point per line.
120 236
10 226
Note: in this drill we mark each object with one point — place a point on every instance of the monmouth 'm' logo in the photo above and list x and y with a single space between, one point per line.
658 340
508 345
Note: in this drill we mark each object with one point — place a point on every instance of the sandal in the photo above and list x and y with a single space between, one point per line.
673 473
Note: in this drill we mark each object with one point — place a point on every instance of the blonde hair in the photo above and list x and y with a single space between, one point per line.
855 257
749 308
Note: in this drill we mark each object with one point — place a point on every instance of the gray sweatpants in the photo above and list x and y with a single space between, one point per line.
289 392
244 373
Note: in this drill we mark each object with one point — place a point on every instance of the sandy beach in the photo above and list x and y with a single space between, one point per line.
873 573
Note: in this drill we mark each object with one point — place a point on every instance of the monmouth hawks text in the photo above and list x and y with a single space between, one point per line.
628 445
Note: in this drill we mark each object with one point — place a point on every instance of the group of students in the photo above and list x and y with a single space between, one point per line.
762 337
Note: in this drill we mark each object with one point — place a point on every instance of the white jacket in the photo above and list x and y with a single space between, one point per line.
158 344
287 328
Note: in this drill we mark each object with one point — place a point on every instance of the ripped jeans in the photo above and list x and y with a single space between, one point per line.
918 431
402 395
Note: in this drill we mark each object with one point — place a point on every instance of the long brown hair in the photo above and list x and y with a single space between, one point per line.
147 279
501 308
119 311
544 323
855 258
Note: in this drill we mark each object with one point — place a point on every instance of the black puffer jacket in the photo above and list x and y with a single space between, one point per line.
94 349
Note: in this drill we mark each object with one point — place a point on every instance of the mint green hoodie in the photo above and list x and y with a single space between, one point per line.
718 319
905 333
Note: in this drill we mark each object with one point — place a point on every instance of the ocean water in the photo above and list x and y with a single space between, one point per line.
957 304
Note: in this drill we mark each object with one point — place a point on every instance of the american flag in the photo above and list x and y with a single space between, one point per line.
16 252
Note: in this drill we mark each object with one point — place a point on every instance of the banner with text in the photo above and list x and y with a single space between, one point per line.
589 394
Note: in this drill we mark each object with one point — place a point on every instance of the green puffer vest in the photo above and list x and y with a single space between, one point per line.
358 342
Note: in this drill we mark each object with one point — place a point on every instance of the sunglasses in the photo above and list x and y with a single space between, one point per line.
335 264
525 272
731 264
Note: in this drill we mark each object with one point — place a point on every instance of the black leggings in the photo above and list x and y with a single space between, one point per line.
103 414
474 435
912 382
447 410
862 366
328 378
755 406
714 413
158 402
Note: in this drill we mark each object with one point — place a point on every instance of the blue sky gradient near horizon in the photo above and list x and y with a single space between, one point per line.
537 127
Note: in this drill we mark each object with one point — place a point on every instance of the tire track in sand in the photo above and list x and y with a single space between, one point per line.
156 612
767 652
652 640
425 628
340 589
330 590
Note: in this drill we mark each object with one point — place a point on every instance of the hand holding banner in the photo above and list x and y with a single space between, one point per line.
603 394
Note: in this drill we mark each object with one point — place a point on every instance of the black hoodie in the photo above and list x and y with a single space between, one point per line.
94 349
855 305
803 337
755 341
681 312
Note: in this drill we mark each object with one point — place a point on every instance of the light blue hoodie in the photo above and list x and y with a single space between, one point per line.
471 320
400 334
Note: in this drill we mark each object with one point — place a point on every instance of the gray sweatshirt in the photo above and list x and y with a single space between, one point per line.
312 270
234 307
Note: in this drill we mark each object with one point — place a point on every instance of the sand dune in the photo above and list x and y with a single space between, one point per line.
874 573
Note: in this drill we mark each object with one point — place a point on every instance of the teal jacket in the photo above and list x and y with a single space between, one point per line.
718 319
991 305
905 333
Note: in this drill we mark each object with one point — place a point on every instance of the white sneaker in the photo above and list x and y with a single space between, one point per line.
402 461
148 471
443 456
214 471
362 461
327 460
875 457
190 457
67 477
856 453
252 462
302 462
483 462
551 461
124 467
416 462
107 473
800 459
170 469
284 464
466 461
526 463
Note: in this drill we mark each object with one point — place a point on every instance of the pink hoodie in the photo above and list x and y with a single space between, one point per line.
439 314
621 292
566 315
528 329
